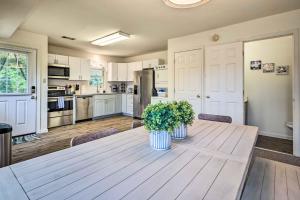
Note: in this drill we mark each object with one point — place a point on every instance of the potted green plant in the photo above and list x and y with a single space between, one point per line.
161 119
186 117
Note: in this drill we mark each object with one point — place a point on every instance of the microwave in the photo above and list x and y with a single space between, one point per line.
58 72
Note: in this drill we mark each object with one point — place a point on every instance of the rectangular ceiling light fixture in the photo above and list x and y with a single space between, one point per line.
112 38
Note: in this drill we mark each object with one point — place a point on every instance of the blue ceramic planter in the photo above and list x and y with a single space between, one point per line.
160 140
180 133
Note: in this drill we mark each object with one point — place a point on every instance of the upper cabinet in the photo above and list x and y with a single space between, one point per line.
79 69
58 59
85 69
112 72
151 63
122 72
132 67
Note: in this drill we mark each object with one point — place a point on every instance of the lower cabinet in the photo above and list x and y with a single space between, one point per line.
104 105
129 102
118 103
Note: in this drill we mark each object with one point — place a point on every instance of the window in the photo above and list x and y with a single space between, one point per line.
13 72
96 77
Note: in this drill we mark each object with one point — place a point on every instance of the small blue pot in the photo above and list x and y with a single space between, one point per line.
160 140
180 132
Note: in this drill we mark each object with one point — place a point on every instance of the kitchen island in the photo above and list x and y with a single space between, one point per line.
211 164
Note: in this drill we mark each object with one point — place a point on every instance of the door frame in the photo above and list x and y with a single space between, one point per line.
37 92
202 72
295 82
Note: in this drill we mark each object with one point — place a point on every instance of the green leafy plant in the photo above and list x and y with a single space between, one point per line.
161 117
186 114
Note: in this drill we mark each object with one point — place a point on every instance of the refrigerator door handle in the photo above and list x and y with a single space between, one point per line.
140 89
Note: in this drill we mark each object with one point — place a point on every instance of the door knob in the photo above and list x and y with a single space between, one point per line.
198 96
207 97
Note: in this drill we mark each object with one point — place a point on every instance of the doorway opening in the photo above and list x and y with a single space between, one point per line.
268 91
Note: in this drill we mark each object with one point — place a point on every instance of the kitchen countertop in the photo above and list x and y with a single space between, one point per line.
110 93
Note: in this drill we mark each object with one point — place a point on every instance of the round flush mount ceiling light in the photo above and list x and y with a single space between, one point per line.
185 3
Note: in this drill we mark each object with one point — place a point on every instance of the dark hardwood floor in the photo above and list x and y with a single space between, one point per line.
275 144
59 138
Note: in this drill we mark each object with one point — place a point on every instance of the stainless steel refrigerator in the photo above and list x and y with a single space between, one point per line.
143 89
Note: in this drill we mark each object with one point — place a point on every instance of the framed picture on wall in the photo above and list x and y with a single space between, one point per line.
282 70
268 67
255 65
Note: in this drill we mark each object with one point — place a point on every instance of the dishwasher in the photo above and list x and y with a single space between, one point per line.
84 108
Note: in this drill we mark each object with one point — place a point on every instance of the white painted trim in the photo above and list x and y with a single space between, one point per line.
275 135
42 131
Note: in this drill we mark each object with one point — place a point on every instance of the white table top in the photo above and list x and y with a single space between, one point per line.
211 164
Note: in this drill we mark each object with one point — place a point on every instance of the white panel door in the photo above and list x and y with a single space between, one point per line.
18 90
224 81
188 78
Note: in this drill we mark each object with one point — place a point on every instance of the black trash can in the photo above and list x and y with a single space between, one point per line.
5 144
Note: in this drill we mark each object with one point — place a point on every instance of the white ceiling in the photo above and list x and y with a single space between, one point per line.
150 21
12 14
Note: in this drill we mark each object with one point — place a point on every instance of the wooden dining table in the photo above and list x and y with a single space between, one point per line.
212 164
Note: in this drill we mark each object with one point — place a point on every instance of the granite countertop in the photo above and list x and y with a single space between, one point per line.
92 94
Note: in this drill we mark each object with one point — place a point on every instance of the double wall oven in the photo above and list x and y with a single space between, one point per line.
60 107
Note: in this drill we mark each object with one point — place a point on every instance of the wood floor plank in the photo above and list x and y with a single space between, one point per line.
281 192
254 184
268 187
293 189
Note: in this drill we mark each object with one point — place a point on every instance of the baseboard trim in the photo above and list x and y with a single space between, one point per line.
275 135
42 131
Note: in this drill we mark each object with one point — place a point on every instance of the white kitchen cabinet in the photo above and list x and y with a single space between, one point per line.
129 103
122 72
132 67
110 105
58 59
124 103
151 63
104 105
79 69
51 58
85 69
118 103
75 68
112 72
99 108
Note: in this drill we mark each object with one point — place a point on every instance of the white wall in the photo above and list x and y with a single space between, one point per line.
85 88
40 43
163 55
269 95
260 28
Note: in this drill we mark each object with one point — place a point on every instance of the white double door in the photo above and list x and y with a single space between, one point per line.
19 108
216 88
224 82
188 77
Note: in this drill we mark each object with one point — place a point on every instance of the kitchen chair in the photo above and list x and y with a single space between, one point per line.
215 118
136 124
92 136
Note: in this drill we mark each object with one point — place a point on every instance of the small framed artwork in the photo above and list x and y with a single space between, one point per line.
268 67
282 70
255 65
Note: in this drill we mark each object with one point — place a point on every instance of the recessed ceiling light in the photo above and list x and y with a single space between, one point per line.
185 3
112 38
